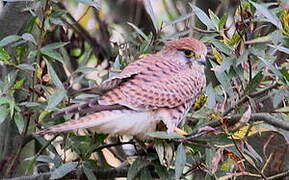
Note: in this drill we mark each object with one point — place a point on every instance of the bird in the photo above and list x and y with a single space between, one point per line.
157 88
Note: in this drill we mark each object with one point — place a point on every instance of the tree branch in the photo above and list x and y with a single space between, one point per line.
278 176
101 173
252 95
266 117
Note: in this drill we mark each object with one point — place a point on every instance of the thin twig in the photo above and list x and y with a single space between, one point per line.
266 117
280 175
202 30
244 157
252 95
112 145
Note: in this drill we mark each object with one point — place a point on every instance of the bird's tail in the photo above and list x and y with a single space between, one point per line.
123 121
91 105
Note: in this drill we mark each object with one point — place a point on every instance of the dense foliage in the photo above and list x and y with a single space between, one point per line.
238 129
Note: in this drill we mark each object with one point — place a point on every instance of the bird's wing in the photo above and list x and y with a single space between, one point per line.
129 71
159 83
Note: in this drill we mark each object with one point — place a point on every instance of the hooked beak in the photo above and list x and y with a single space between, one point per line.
202 60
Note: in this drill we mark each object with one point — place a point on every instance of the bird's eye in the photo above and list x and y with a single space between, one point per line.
189 53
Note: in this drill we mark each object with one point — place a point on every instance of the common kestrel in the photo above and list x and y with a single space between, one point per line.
158 87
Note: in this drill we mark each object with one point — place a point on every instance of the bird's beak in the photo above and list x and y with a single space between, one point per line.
202 60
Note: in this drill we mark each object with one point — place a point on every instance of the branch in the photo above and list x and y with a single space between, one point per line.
109 173
278 176
266 117
252 95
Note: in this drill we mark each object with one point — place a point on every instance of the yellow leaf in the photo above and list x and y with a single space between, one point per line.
142 56
217 55
200 101
243 131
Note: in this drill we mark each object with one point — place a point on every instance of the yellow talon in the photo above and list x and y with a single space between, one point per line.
180 132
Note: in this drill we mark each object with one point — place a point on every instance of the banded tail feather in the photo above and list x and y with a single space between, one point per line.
91 105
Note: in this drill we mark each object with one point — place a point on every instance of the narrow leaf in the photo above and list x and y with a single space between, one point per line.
28 67
28 37
215 19
84 69
55 45
135 168
203 17
139 31
253 84
222 47
270 17
88 173
268 63
63 170
9 39
180 161
54 76
4 56
56 98
19 121
3 114
164 135
53 54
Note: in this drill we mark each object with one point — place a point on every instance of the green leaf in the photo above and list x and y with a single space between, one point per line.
54 76
253 84
203 17
53 46
285 74
209 156
280 48
29 37
223 21
282 110
18 119
40 158
9 39
28 67
215 19
30 104
139 31
52 53
164 135
19 83
210 92
163 172
180 19
4 100
4 56
222 47
145 174
270 17
180 161
4 113
268 63
56 98
84 69
32 54
89 173
135 168
63 170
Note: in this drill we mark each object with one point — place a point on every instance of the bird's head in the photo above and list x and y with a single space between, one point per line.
186 50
